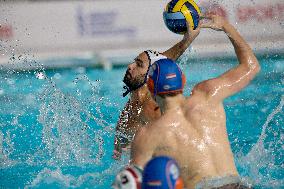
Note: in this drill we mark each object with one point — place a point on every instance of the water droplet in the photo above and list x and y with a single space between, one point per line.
81 70
57 76
40 75
11 81
2 91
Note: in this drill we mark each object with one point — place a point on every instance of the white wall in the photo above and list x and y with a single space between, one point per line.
114 27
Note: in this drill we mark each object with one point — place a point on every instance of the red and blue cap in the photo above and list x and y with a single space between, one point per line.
162 173
165 77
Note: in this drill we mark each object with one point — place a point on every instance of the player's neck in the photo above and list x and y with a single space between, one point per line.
169 104
141 95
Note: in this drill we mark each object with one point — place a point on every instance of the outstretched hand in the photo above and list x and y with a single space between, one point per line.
215 22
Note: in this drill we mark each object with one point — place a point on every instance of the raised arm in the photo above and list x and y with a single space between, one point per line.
178 49
237 78
121 131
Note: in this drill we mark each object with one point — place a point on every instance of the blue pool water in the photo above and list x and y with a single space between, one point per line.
57 126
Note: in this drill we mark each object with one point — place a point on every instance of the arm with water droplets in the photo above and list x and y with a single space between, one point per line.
236 78
121 128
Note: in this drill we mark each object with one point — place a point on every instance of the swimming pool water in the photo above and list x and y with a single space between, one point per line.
57 126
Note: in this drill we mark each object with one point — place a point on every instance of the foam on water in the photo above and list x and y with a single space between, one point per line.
54 177
48 177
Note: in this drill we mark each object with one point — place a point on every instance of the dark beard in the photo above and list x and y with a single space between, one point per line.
134 83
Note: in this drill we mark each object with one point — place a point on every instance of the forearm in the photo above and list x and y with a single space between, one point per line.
119 143
122 132
121 127
243 51
178 49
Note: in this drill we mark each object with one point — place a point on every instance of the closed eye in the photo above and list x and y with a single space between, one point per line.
139 62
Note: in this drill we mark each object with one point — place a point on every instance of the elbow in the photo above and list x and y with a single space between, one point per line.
251 68
256 67
253 65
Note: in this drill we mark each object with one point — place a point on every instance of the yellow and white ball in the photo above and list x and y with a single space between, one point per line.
178 12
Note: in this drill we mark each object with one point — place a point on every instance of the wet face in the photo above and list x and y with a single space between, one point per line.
136 71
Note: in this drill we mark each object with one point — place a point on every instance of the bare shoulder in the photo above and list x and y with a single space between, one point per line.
203 87
145 132
143 145
202 90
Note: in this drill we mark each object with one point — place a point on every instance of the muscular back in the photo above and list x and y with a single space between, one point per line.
193 129
195 135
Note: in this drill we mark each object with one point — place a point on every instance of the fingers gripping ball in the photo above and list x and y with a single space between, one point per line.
128 178
178 12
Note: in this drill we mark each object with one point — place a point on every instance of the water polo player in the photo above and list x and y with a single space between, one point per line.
192 129
141 108
161 172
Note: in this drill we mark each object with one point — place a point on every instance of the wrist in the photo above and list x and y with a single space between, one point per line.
227 27
186 41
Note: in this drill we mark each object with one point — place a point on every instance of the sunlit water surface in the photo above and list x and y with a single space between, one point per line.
57 126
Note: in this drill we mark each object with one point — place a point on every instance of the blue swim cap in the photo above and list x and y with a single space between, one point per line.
165 77
162 173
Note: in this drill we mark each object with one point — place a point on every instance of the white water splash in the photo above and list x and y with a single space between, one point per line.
5 161
65 135
86 180
70 132
40 75
261 158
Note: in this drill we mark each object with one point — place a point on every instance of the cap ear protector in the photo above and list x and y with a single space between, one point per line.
151 85
179 184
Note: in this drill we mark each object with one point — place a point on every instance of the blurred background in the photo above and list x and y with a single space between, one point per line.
108 31
61 70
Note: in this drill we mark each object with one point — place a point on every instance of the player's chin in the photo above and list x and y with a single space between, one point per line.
127 77
127 81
